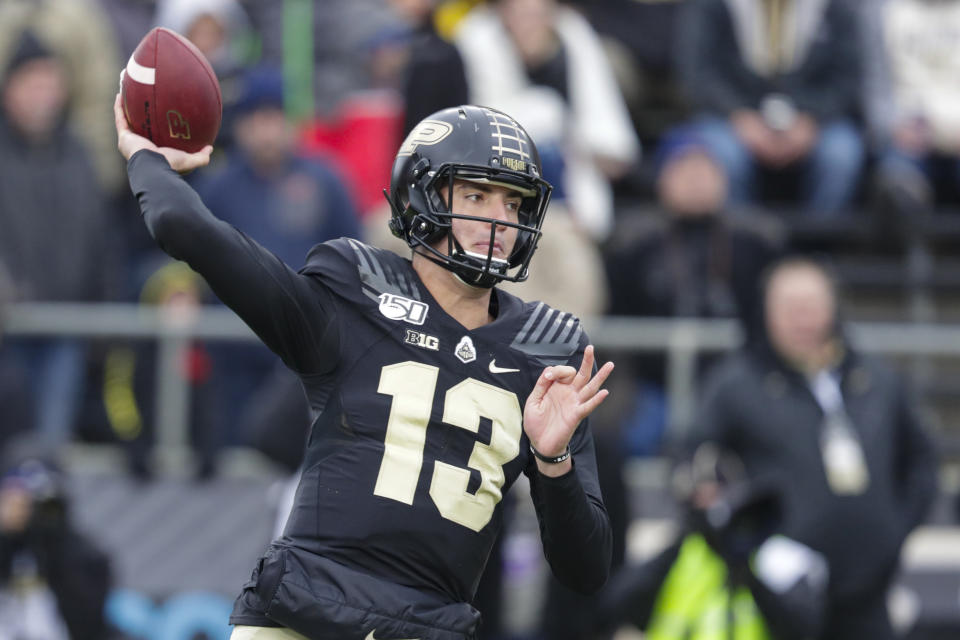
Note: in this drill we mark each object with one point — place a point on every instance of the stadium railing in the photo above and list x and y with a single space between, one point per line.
681 340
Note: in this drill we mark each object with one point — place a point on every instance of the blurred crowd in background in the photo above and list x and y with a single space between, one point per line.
691 144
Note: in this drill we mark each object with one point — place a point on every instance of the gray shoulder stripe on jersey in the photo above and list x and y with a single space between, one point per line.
551 353
378 277
373 285
568 328
363 262
554 331
525 330
367 260
537 334
401 280
549 336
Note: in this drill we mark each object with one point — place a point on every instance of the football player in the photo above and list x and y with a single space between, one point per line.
431 390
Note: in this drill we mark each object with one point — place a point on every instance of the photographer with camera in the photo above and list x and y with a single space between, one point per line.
53 581
729 573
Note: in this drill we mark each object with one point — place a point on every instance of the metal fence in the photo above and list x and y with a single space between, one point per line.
682 341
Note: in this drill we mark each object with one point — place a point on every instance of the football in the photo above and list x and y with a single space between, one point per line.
170 93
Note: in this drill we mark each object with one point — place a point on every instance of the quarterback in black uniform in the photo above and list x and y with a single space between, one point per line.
430 389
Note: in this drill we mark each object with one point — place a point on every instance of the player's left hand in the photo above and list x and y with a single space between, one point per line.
561 399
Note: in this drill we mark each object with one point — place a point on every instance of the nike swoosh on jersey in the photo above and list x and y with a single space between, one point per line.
370 636
495 369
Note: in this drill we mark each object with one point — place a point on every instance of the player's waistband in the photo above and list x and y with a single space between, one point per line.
323 599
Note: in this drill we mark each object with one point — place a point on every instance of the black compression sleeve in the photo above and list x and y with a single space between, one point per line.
291 313
574 528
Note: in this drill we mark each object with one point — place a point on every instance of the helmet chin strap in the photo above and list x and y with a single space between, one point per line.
471 269
474 269
479 280
484 281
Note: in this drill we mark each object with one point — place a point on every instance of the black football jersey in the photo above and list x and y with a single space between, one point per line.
417 424
419 428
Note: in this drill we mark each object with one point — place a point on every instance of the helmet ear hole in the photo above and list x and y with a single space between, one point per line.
427 230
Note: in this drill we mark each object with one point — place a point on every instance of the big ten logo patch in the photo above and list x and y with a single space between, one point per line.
183 616
422 340
399 308
428 132
179 127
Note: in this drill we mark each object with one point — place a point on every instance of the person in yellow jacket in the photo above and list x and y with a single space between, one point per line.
728 575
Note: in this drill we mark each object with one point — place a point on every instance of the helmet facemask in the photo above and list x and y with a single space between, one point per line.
431 219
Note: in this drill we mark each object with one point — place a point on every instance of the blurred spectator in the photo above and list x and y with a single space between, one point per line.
777 85
83 38
53 580
361 134
387 53
316 41
640 38
841 434
729 573
53 219
221 30
360 140
543 63
212 25
283 200
430 57
17 414
691 257
449 13
914 96
128 393
286 202
130 20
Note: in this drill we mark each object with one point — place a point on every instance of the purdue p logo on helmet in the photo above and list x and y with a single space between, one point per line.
467 143
427 132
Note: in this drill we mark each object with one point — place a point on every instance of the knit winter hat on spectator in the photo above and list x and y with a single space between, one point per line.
678 142
28 48
260 88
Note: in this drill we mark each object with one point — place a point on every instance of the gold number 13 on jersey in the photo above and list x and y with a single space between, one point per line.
412 385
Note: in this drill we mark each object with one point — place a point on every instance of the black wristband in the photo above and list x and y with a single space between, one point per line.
560 458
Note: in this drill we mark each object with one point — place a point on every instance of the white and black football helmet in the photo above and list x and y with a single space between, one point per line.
467 143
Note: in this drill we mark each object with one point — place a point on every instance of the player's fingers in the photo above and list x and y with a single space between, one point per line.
561 373
119 119
184 162
202 157
586 366
544 382
587 407
594 385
